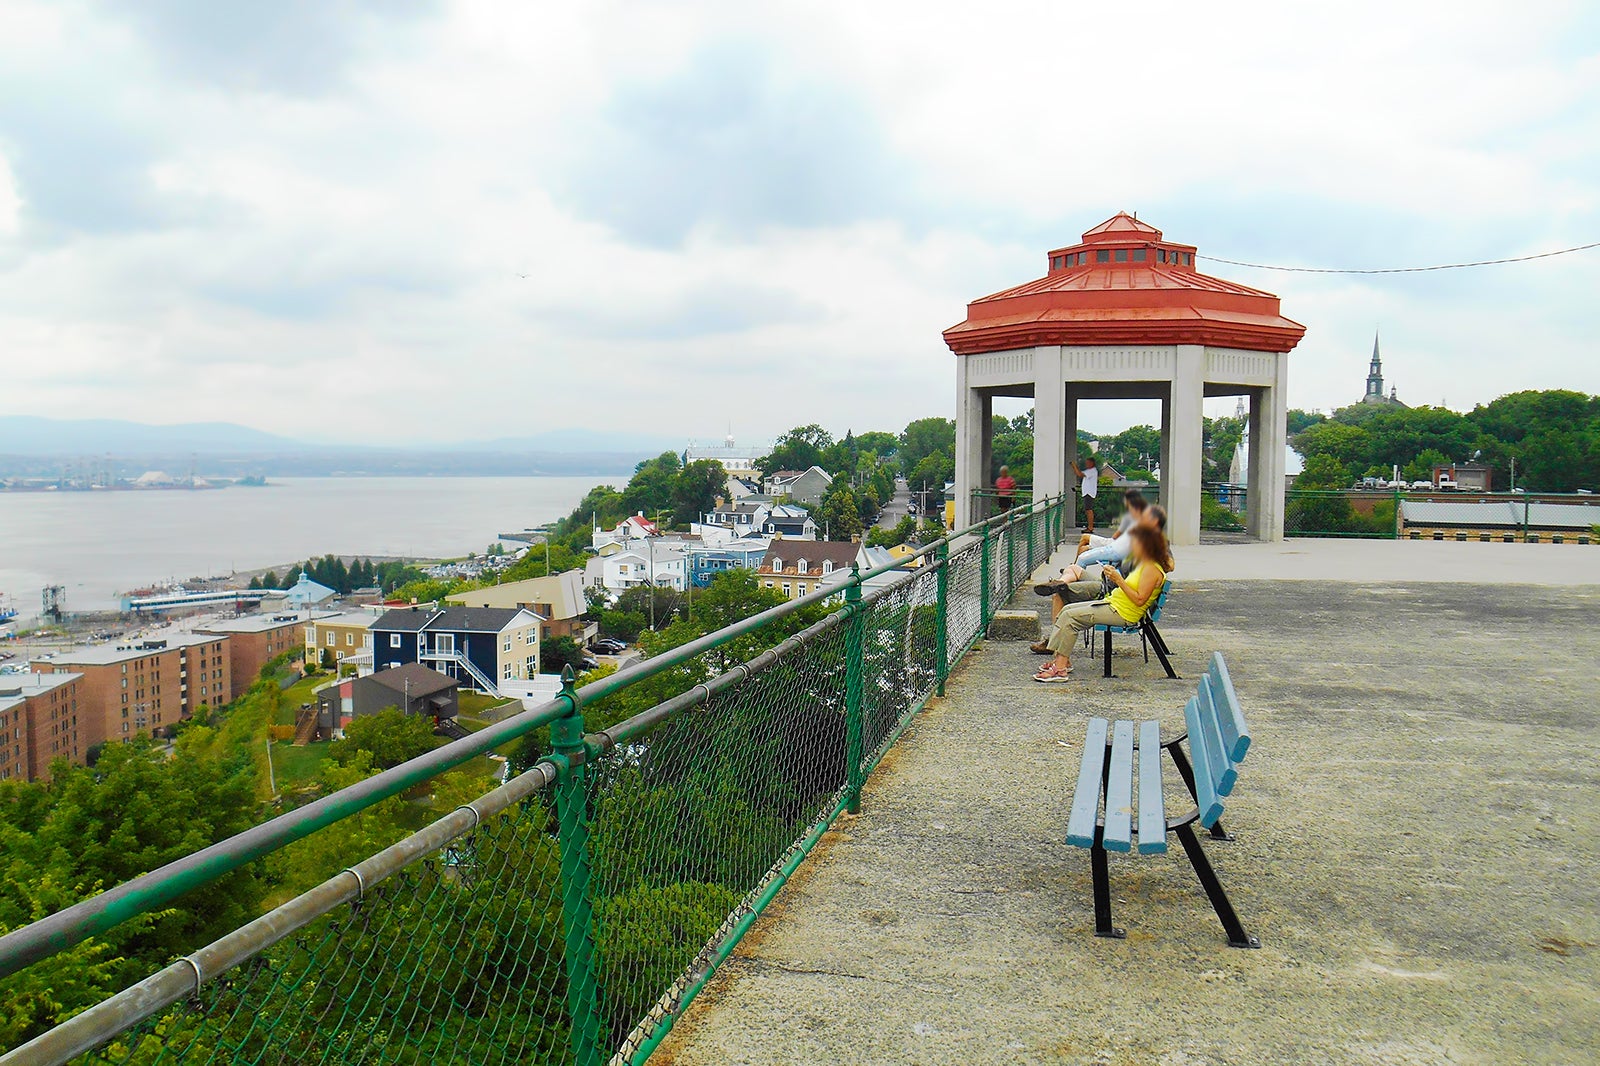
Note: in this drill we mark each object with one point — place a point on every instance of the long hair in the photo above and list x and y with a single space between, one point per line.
1153 544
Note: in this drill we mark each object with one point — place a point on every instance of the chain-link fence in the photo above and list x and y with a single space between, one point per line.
570 916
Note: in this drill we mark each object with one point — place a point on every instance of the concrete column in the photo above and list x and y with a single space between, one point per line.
1166 440
1069 439
1269 435
974 436
1181 473
1049 423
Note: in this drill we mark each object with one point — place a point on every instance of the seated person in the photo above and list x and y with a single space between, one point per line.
1084 580
1133 506
1127 604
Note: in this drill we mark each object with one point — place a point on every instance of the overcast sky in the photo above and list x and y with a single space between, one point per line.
434 220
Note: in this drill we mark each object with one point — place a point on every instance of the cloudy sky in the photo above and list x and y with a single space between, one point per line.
446 220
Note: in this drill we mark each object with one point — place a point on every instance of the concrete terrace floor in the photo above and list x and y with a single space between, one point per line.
1417 844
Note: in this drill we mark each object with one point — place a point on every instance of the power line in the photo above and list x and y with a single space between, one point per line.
1401 270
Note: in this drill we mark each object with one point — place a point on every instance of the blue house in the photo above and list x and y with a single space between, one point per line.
707 562
478 646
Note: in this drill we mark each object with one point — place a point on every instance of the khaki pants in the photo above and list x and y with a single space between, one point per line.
1077 617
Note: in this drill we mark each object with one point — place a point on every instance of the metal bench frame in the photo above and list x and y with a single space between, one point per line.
1221 738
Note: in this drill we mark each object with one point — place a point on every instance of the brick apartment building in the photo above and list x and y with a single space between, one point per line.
144 687
253 640
38 724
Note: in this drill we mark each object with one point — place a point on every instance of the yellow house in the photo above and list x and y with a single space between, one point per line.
341 635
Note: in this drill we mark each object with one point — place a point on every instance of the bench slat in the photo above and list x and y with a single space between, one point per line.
1119 790
1204 776
1152 806
1235 734
1086 801
1211 736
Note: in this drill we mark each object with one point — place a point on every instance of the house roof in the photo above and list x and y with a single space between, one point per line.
1153 295
814 552
414 678
448 619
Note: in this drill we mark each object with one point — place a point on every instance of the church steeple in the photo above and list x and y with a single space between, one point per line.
1375 371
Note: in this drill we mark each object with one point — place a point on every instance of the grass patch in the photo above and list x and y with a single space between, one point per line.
298 766
302 691
474 704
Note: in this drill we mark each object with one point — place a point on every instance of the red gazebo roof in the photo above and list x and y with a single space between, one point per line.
1125 284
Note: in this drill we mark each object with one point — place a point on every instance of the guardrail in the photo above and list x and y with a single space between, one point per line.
572 914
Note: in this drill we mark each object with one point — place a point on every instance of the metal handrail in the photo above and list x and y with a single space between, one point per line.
164 885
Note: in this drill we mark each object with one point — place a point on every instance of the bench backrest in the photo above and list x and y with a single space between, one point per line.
1218 739
1154 614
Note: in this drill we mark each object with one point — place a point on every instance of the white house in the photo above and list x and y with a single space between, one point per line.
647 562
731 521
790 522
630 530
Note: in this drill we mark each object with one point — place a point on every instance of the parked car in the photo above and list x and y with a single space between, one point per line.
1447 484
1422 485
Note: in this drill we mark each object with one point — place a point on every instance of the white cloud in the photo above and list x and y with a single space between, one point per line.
761 216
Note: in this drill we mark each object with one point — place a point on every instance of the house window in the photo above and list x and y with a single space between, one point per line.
394 640
1122 255
330 640
338 655
1102 255
777 564
505 645
788 590
769 584
1138 255
530 636
349 640
827 566
800 567
311 634
505 672
1188 259
532 665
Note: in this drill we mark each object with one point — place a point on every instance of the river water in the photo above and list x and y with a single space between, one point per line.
98 544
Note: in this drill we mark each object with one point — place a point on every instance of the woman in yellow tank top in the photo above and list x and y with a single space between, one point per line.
1128 602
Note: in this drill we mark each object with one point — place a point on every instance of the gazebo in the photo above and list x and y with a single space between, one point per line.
1124 315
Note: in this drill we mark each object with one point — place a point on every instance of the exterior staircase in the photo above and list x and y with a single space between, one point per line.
305 726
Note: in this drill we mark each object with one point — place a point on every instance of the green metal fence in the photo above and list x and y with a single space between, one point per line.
570 915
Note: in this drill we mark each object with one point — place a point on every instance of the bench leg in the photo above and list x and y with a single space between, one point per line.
1237 937
1102 889
1160 645
1185 771
1108 653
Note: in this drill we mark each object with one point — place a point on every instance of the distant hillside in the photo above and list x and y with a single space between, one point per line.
32 435
33 447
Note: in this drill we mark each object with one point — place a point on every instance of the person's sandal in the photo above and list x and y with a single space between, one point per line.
1051 675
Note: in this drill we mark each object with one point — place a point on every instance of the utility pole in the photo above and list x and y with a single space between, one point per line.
1513 473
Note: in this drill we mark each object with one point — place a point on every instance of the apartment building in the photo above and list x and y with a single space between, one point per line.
38 724
254 640
146 686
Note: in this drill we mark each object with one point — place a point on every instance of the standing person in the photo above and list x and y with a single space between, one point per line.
1128 602
1005 489
1090 488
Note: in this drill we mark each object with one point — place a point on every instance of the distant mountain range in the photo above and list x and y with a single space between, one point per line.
31 446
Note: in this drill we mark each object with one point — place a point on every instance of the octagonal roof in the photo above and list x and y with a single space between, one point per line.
1124 284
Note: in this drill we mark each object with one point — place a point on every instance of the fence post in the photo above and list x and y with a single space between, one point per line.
1525 517
854 643
577 913
1011 559
941 635
1394 534
983 584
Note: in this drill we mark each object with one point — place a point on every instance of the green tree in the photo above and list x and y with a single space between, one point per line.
925 437
650 490
388 738
799 449
557 653
696 490
840 512
1421 468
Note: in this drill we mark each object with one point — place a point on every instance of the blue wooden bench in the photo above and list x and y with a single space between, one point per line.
1218 740
1148 633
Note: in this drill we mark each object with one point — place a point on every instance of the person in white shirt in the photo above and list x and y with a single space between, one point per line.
1089 489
